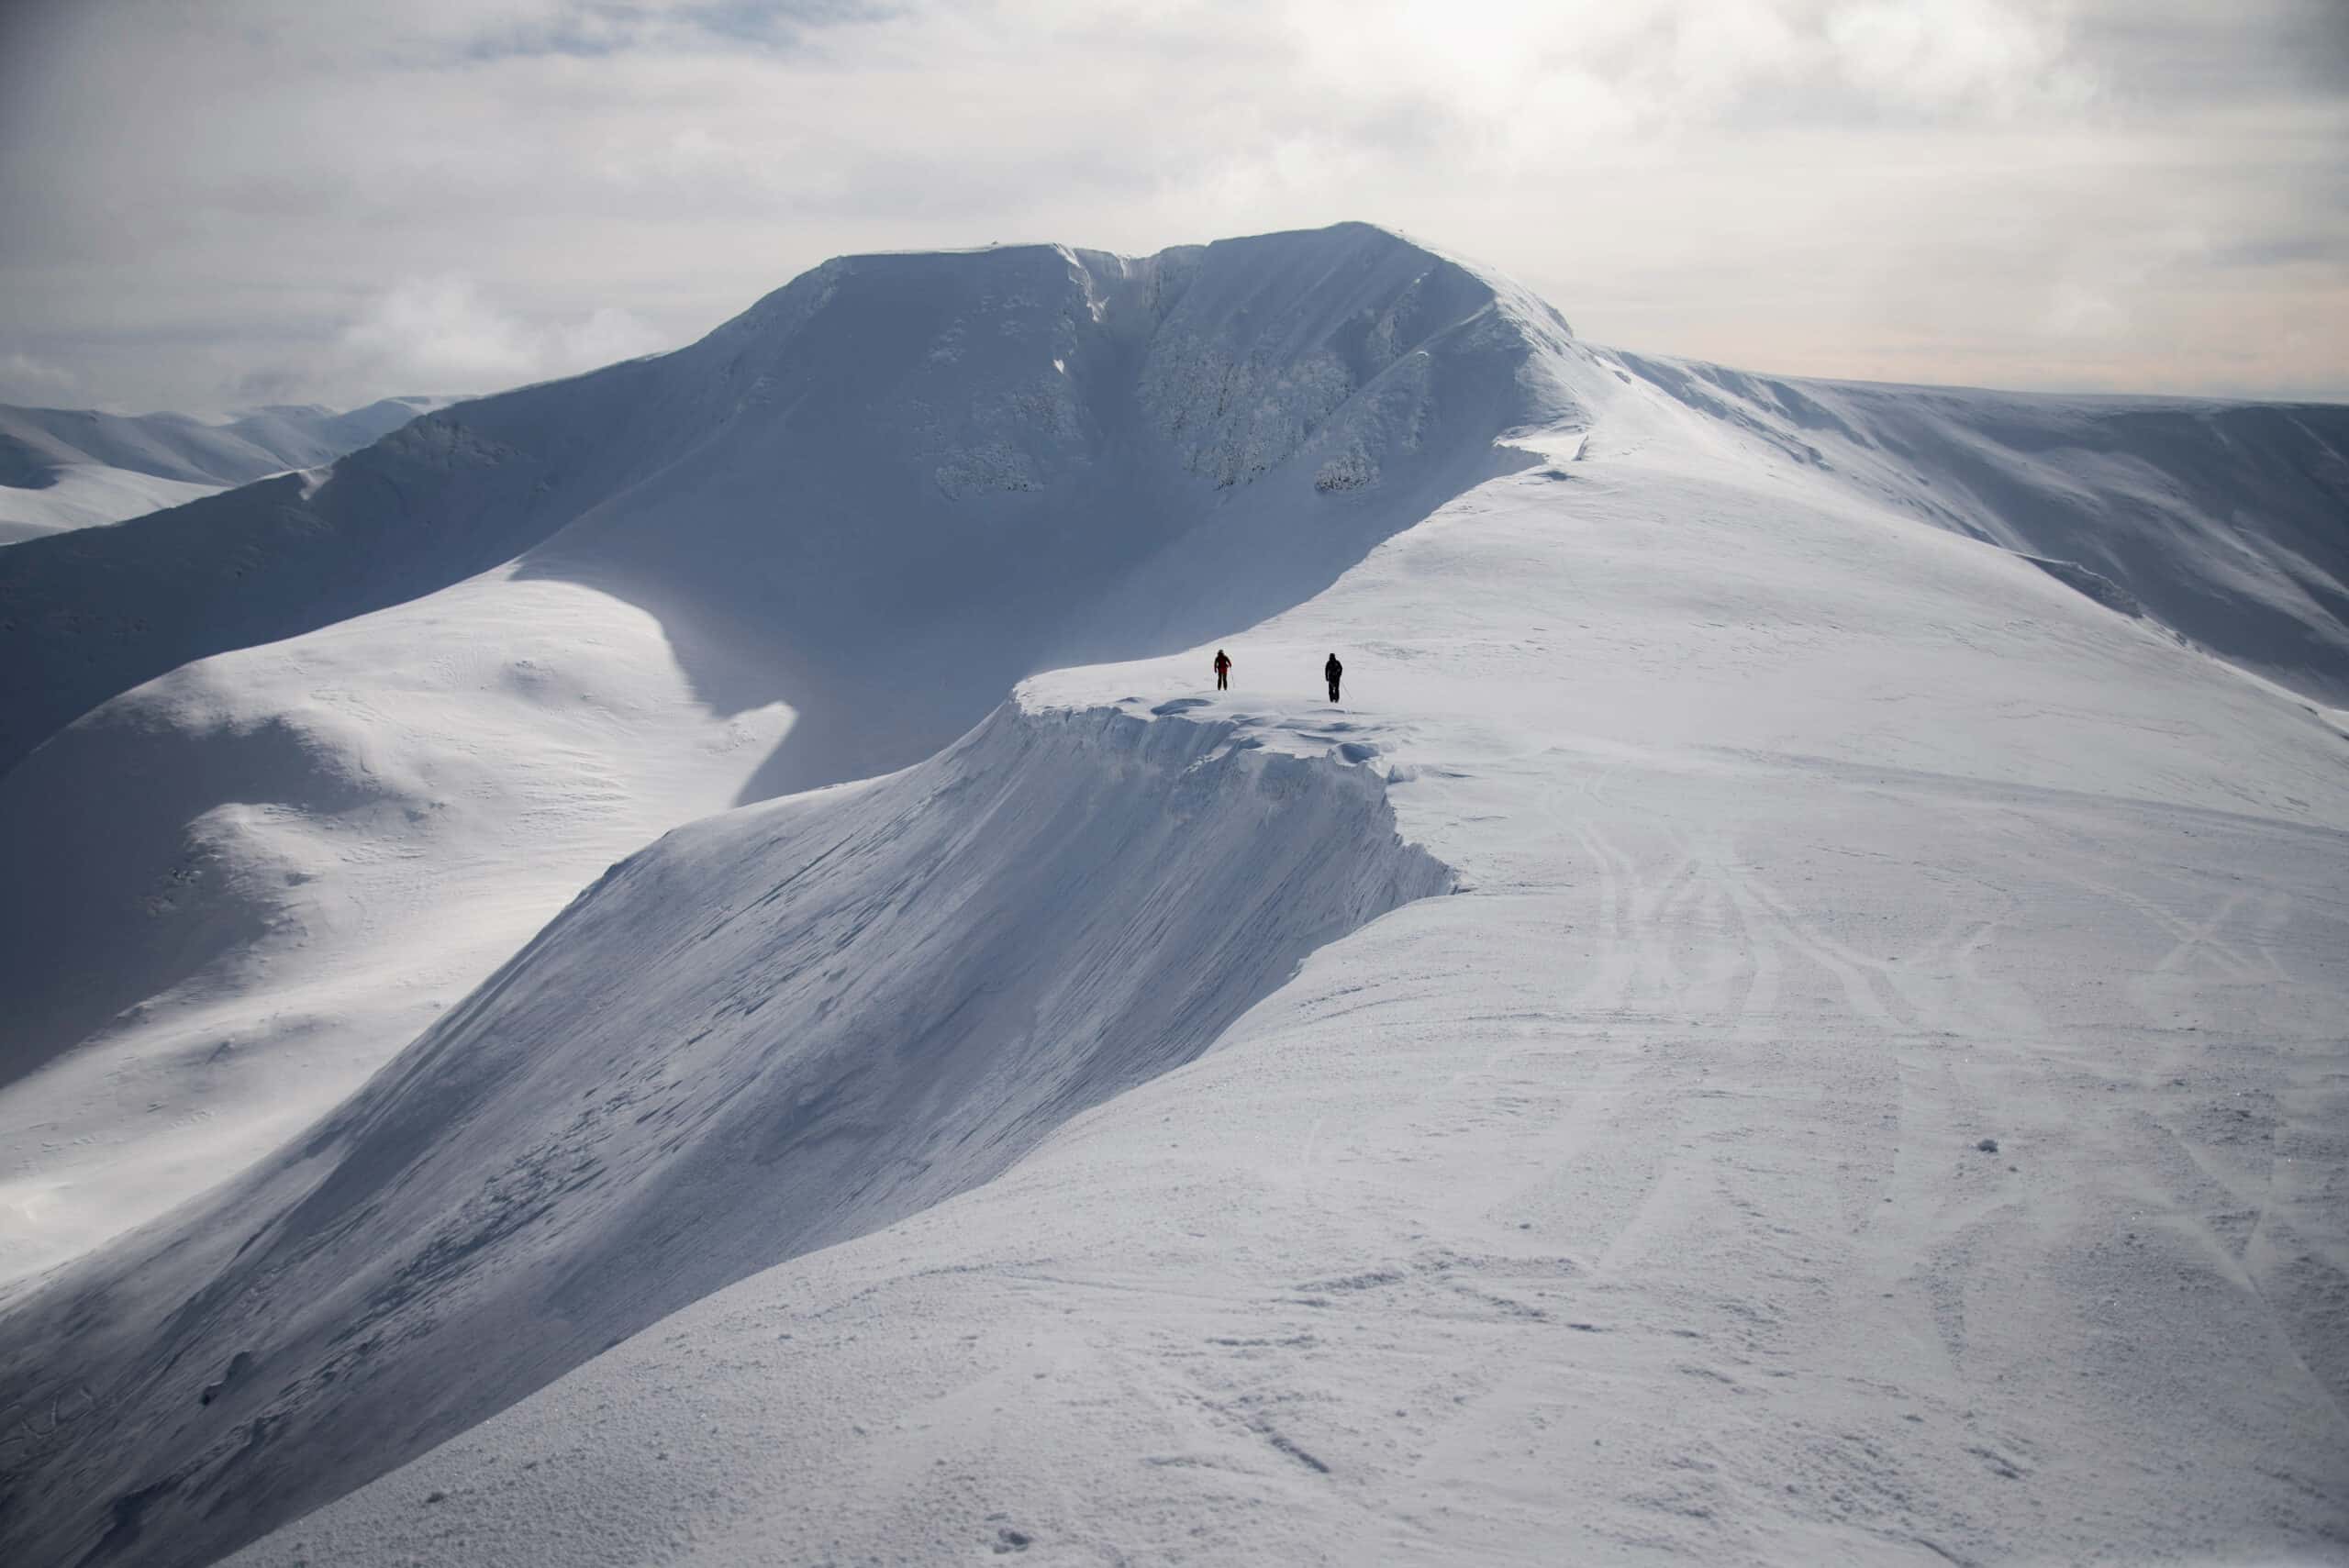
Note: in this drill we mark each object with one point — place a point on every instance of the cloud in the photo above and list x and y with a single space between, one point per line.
1940 53
25 380
331 198
441 335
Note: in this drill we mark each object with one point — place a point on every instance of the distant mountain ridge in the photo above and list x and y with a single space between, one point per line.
68 468
2222 521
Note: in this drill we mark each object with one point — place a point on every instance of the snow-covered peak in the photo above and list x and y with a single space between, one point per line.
844 461
1013 366
1805 847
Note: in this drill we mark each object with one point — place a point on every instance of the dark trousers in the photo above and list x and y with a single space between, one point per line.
1222 680
1334 691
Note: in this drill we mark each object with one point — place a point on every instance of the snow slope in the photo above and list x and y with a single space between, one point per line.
1878 1098
72 468
238 890
2220 521
840 528
1630 1203
801 1022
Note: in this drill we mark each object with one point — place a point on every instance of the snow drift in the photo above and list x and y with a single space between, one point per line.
774 1031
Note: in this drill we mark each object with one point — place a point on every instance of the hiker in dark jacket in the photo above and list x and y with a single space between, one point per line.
1222 670
1331 671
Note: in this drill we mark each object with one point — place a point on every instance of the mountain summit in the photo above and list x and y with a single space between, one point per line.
828 472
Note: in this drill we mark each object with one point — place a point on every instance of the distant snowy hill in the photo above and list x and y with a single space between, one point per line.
1791 1013
2222 521
71 468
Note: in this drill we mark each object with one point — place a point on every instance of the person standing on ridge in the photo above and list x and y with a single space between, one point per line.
1330 673
1222 670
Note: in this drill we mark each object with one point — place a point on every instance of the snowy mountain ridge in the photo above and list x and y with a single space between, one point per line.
929 971
1244 348
2220 521
74 468
1866 960
772 535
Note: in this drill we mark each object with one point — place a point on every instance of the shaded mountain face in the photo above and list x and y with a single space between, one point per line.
829 474
69 468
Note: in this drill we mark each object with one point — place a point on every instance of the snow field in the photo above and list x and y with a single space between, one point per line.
1872 1096
772 1031
86 495
1632 1205
1663 1237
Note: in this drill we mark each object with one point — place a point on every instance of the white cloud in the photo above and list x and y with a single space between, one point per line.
441 330
441 335
1945 53
25 380
328 199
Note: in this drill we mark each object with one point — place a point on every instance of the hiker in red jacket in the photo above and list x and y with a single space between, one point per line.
1222 670
1330 673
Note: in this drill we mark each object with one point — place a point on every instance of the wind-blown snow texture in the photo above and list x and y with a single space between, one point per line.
1875 1096
881 496
806 1020
71 468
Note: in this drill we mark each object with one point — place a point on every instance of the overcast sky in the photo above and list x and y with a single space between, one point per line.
208 204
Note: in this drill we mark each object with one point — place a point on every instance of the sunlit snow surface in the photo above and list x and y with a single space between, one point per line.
1853 1071
1636 1204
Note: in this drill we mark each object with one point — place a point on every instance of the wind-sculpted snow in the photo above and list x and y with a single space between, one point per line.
1877 1098
773 1030
1241 379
